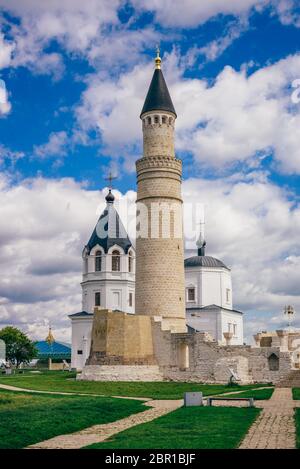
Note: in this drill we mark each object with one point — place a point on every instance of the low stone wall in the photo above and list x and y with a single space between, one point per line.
120 373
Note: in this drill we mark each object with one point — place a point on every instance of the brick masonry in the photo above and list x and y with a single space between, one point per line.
160 289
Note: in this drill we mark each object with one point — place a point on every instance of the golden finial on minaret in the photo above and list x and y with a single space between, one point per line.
157 58
50 339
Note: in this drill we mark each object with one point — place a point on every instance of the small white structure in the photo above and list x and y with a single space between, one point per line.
81 338
108 278
209 297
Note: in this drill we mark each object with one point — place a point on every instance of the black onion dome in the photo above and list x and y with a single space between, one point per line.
110 197
158 97
204 261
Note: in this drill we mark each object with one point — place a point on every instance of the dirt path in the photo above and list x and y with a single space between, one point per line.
98 433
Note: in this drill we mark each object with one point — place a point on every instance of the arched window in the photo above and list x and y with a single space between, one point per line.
98 261
130 262
170 120
149 120
164 119
115 261
273 362
156 120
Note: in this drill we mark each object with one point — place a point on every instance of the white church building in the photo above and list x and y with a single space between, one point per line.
108 280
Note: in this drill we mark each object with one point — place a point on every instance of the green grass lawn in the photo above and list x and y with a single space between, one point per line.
259 394
296 394
29 418
65 381
187 427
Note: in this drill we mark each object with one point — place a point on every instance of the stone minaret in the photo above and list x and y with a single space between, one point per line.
160 289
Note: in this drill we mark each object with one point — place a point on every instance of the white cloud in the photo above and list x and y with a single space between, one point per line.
239 118
251 224
8 155
56 146
73 22
94 31
5 105
90 29
189 13
288 11
215 48
6 50
192 13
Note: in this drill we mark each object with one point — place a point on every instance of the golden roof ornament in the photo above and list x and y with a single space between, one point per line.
157 58
50 339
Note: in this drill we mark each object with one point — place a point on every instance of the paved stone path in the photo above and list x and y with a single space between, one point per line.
98 433
275 426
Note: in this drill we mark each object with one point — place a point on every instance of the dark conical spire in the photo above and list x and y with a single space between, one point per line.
158 97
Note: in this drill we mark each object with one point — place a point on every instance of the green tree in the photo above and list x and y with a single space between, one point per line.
19 348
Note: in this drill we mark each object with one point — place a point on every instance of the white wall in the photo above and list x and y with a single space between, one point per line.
236 319
81 340
114 294
114 287
211 285
216 322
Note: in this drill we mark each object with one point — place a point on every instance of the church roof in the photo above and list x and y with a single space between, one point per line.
204 261
109 230
212 308
158 97
53 350
80 314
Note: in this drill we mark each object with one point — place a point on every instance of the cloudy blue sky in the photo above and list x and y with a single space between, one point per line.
73 77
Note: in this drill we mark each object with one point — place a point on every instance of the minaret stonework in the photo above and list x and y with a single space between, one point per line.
160 289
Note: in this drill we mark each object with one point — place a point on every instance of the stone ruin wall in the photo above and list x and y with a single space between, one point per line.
209 362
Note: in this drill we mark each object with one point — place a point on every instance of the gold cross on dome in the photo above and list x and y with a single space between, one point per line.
110 178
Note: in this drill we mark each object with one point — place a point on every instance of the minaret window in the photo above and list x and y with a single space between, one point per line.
164 119
156 120
97 299
130 262
130 299
115 261
98 261
227 295
149 120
